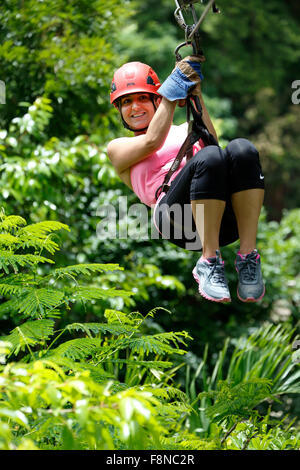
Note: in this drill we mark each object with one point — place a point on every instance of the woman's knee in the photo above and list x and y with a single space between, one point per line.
209 174
210 158
245 167
242 150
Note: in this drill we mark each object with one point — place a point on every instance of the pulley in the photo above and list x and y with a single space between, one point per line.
192 36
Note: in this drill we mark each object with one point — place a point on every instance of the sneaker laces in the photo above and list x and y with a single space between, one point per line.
217 273
248 269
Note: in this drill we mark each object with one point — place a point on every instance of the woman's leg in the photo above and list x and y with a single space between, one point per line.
208 197
247 188
209 270
208 215
247 207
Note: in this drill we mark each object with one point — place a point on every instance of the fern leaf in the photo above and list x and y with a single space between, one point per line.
95 328
173 410
39 235
38 301
114 316
89 293
39 244
174 337
20 279
11 222
85 269
152 312
8 289
76 348
167 392
6 239
189 442
238 400
136 363
98 374
10 259
29 334
158 344
41 229
16 305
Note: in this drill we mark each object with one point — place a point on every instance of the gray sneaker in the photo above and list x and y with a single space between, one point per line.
251 287
210 275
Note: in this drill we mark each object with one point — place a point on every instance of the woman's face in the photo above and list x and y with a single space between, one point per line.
137 110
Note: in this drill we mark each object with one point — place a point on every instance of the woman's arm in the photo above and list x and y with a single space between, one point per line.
126 151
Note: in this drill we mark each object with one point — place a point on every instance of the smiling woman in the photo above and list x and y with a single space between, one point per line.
138 110
133 77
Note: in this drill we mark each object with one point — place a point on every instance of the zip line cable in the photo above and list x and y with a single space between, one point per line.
201 19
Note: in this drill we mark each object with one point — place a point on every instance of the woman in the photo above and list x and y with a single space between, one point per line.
223 190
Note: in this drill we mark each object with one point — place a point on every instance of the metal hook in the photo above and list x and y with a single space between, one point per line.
191 31
177 55
179 17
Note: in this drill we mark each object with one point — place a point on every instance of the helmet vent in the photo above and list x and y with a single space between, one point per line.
150 80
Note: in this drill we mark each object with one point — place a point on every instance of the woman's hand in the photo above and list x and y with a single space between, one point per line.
184 80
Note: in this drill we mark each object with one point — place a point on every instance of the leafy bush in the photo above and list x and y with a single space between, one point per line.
99 390
47 178
114 385
246 371
64 51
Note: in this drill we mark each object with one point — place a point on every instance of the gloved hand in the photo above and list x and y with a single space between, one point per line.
184 79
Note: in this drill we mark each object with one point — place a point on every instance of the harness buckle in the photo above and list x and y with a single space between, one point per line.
163 188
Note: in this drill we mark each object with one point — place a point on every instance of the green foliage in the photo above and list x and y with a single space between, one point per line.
73 395
236 401
114 385
37 295
259 435
259 366
280 245
29 334
70 180
63 51
73 412
67 326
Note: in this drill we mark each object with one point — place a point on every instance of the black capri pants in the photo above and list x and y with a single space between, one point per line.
213 173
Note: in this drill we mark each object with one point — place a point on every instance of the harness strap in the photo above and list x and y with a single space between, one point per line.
198 131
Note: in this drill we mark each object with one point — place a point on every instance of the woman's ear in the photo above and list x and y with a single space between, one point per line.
158 100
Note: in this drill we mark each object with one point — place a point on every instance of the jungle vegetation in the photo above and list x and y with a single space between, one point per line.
106 343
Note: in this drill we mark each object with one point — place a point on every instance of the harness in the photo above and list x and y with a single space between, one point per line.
197 128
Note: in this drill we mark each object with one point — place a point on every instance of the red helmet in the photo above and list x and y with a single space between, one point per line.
133 77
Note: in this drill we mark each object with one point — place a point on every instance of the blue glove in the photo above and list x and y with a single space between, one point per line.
185 78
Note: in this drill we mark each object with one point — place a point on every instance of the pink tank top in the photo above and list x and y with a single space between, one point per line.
146 176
